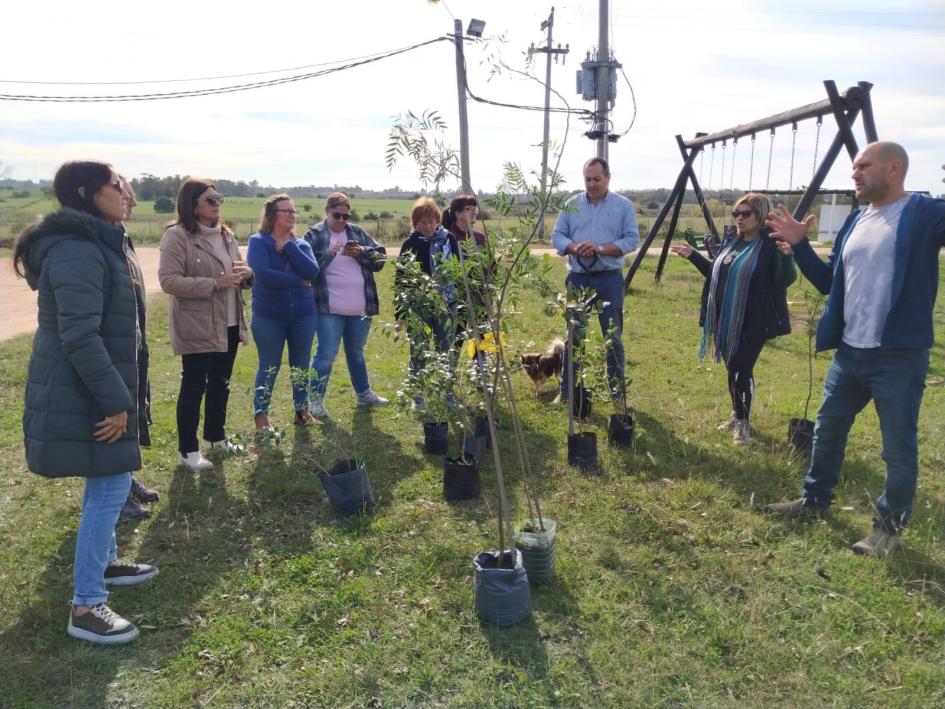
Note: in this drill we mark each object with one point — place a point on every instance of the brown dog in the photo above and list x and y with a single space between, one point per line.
541 366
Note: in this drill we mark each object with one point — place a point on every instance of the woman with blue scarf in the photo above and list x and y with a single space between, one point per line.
744 303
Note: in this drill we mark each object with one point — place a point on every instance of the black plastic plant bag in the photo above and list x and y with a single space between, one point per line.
348 488
502 596
461 479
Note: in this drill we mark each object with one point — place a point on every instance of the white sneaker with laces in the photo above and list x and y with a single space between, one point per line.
194 461
369 398
101 625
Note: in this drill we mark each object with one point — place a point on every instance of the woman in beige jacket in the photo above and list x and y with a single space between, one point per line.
202 271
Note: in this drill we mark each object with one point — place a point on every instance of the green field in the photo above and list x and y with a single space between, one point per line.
672 589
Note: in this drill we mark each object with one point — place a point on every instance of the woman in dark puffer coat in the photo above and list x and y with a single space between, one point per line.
80 416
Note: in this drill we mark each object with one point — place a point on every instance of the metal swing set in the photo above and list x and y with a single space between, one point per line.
844 107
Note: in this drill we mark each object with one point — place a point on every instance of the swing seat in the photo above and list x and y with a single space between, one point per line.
712 245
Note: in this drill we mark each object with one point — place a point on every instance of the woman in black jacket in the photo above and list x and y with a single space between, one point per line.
744 302
81 416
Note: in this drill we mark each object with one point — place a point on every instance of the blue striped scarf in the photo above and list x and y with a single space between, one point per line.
723 325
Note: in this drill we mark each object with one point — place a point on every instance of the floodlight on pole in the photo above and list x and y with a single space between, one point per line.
475 28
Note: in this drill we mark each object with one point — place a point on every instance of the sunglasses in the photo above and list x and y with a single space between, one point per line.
339 215
743 213
214 200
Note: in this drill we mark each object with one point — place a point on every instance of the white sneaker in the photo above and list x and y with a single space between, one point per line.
223 446
194 461
728 424
316 407
369 398
741 433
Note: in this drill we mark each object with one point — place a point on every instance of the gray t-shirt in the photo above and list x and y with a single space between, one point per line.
868 262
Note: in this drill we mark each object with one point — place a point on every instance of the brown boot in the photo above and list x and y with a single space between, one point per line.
796 509
878 543
262 423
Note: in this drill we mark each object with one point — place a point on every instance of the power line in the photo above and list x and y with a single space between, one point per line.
195 78
580 111
219 89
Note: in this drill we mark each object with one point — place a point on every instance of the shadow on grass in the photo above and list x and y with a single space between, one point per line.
195 541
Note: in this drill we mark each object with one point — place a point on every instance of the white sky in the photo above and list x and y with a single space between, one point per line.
694 66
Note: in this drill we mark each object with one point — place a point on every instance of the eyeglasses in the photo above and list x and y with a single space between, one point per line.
339 215
286 211
214 200
743 213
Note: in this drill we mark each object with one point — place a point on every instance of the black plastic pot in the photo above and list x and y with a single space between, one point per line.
620 429
435 437
801 435
460 479
582 450
537 548
581 403
482 431
348 488
476 443
501 593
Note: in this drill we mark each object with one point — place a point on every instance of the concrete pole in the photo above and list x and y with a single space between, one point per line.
603 80
463 119
546 134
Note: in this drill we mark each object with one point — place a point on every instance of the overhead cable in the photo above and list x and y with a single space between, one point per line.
219 89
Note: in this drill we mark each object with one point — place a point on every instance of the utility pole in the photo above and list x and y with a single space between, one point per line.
463 118
548 51
603 81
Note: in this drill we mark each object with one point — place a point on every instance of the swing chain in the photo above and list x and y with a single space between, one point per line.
793 145
770 154
751 166
820 123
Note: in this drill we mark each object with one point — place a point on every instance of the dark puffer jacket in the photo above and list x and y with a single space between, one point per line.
84 365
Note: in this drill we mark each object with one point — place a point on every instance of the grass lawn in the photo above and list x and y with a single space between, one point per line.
672 589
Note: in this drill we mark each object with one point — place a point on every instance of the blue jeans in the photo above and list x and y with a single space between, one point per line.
894 379
332 330
271 336
95 544
610 288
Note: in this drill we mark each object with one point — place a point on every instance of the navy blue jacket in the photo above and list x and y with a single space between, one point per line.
920 235
279 289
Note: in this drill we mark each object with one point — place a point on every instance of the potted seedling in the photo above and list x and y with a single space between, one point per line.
801 430
488 278
427 389
577 305
620 424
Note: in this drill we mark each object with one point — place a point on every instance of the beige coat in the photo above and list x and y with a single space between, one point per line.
197 309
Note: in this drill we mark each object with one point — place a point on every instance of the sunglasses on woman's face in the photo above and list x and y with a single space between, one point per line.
743 213
338 215
214 200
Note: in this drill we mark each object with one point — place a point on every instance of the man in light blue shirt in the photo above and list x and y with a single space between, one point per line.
596 230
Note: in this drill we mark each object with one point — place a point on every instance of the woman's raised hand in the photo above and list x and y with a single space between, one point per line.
684 250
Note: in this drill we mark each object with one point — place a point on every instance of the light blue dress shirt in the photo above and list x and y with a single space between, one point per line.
613 220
